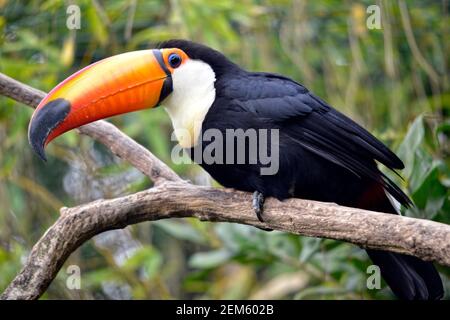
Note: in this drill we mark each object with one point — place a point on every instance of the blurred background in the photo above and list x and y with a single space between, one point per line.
394 80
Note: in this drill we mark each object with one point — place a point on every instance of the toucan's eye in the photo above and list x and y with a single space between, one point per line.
174 60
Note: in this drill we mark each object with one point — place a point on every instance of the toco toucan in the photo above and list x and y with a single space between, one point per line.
322 154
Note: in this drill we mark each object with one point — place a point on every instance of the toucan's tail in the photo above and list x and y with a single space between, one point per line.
408 277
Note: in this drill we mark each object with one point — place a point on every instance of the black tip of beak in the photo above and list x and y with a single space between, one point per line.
44 121
39 149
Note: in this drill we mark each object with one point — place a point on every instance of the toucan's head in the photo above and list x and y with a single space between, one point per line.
179 74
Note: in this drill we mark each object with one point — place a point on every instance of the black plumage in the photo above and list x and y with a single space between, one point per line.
324 155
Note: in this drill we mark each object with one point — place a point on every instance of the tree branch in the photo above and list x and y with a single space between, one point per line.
173 198
425 239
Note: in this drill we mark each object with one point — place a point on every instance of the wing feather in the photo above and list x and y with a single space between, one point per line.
315 125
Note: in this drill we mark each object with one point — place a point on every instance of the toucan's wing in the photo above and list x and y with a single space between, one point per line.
268 96
312 123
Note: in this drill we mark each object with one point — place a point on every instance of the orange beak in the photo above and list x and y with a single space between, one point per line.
119 84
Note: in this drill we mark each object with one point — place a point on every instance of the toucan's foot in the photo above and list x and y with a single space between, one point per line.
258 206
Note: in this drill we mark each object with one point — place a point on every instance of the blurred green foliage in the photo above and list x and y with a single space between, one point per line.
393 80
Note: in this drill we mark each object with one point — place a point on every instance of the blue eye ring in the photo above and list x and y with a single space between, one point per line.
174 60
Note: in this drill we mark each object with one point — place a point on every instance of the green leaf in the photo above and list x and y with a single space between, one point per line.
97 26
180 230
431 194
210 259
411 143
310 246
146 257
99 276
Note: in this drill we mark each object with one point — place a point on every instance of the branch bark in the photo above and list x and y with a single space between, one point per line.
425 239
173 198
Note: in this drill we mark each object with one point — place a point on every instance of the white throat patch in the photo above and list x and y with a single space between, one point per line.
192 96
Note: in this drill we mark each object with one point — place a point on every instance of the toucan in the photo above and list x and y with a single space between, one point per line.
322 154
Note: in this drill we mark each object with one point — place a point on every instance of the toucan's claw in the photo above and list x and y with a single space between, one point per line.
258 206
